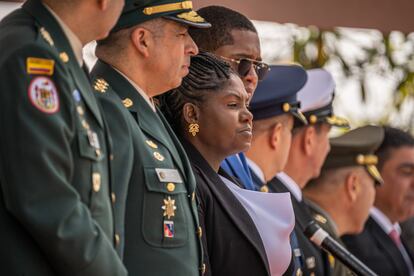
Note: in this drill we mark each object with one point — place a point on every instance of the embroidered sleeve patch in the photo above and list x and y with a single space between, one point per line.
40 66
43 95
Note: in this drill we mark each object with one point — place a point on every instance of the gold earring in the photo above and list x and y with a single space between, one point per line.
194 129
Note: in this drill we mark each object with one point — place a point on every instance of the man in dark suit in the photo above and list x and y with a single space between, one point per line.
56 212
380 245
147 53
310 145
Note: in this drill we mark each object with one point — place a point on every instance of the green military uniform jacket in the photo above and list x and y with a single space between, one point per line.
56 213
326 222
161 230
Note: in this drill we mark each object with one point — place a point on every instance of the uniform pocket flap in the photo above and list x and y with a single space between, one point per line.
164 180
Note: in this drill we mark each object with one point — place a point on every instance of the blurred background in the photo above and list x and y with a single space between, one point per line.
367 45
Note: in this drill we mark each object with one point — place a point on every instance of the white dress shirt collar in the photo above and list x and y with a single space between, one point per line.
384 221
291 185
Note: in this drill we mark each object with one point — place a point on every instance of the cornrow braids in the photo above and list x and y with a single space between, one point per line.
207 74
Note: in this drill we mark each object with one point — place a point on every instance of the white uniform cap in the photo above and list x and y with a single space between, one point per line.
318 90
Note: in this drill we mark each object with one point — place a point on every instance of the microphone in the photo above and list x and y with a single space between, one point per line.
323 240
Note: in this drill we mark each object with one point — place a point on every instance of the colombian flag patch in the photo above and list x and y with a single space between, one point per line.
40 66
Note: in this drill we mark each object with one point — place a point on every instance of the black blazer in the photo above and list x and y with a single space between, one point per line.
315 260
231 241
377 250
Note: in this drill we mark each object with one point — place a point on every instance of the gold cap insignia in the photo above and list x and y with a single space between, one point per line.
368 159
286 107
337 121
158 156
101 85
127 102
191 16
46 36
185 5
313 119
151 144
169 207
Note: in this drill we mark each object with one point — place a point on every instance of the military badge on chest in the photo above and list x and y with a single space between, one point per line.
169 212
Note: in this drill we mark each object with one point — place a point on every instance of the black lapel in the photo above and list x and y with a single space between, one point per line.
62 45
228 201
388 246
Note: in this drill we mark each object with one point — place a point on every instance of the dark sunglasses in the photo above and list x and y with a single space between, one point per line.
244 65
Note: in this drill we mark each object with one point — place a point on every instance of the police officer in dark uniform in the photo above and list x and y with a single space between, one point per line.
147 53
274 107
56 213
310 144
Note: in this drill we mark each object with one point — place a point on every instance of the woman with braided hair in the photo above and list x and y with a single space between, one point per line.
209 114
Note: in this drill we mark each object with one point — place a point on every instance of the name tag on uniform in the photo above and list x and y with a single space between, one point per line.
168 175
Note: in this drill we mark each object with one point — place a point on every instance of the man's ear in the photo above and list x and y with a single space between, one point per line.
275 135
309 140
190 113
352 186
142 39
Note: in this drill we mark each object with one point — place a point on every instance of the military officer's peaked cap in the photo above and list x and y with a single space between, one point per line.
277 93
316 99
139 11
356 148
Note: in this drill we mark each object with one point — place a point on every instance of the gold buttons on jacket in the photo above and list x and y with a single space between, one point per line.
199 232
117 239
170 187
113 198
96 182
111 157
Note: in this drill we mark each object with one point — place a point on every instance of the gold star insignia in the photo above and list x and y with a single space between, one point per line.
169 207
101 85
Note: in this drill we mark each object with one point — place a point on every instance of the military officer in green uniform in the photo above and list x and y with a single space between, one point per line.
56 213
340 198
148 53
